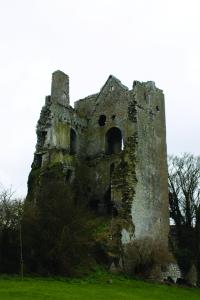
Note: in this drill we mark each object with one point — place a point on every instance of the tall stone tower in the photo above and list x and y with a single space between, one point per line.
111 149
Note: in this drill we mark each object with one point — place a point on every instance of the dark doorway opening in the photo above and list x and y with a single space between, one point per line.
73 141
68 175
38 160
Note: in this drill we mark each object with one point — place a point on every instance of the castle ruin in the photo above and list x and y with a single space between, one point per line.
112 151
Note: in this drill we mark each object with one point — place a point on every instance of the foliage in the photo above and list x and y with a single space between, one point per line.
184 188
56 232
10 216
184 201
145 254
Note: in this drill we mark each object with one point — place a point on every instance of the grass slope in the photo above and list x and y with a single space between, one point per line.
91 289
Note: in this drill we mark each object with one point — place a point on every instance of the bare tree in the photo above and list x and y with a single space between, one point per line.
8 209
184 188
184 205
11 210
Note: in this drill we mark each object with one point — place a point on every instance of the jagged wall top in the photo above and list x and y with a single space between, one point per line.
60 88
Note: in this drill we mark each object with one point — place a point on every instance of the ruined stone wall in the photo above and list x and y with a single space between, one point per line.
111 102
60 88
127 185
172 271
109 109
54 126
150 205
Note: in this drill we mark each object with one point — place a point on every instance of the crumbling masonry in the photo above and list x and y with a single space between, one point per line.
112 145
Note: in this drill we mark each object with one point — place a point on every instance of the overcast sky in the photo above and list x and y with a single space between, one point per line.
142 40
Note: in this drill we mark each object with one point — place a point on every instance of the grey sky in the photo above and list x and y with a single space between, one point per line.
142 40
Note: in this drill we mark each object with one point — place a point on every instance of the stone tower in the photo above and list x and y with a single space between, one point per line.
113 146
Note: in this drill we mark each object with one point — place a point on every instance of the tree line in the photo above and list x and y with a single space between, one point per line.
52 238
184 205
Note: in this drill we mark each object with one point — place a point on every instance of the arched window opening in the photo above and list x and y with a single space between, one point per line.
42 137
113 141
72 141
102 120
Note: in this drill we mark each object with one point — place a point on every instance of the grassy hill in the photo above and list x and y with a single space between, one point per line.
106 288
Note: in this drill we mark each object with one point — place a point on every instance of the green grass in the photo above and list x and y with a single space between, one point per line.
91 289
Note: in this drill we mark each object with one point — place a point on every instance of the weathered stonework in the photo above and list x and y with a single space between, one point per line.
172 271
112 151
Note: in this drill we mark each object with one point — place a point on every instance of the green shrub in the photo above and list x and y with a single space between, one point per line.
142 256
56 232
